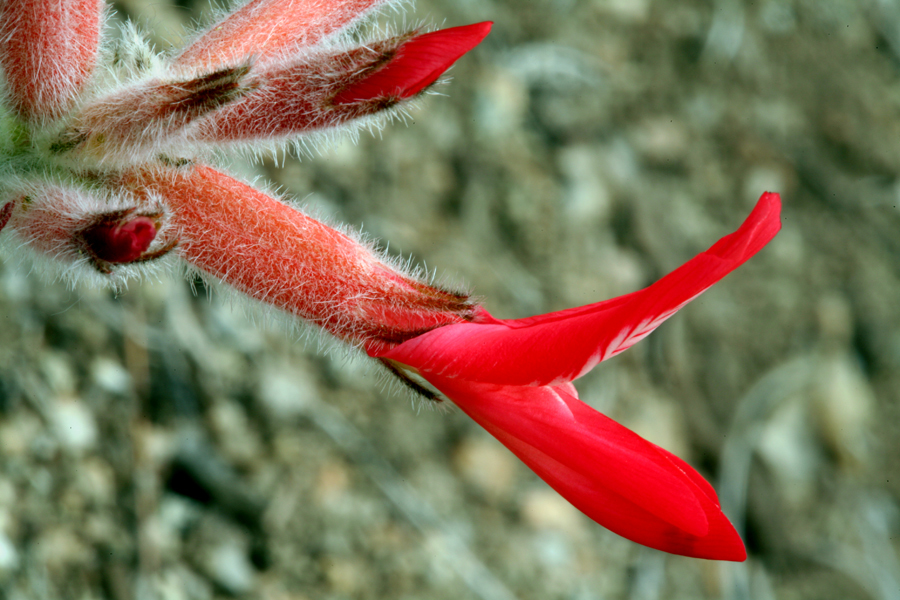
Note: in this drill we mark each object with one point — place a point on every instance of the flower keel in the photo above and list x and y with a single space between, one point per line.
513 378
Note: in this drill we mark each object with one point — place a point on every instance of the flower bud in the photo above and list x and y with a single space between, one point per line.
120 241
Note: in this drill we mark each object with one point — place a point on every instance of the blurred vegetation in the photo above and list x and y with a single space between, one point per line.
165 444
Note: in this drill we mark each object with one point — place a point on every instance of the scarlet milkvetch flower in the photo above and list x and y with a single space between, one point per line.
514 378
106 151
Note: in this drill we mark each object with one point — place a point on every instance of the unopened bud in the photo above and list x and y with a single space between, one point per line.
415 64
120 241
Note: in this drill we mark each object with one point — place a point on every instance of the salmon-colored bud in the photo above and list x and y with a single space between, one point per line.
417 64
48 50
266 28
323 90
100 233
138 120
120 241
276 254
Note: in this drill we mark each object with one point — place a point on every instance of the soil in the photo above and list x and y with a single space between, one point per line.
173 442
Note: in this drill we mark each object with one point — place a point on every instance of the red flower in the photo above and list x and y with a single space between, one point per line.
106 170
514 378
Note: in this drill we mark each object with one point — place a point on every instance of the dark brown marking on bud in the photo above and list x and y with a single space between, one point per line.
207 93
175 162
68 140
5 213
409 382
436 307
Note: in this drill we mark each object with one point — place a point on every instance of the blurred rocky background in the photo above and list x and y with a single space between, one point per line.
171 443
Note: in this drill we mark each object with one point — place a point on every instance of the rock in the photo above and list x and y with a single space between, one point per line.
74 425
486 465
9 557
110 375
543 508
229 567
285 390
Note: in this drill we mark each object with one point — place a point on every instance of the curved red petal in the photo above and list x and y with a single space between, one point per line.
562 346
416 64
620 480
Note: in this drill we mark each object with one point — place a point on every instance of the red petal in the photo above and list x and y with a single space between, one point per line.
417 64
623 482
564 345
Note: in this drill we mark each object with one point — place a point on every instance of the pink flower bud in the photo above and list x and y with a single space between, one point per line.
274 253
318 90
90 231
120 241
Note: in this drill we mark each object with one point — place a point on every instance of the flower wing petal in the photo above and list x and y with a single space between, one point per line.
562 346
618 479
554 432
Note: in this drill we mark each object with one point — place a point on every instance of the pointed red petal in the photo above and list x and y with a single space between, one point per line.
564 345
618 479
417 64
